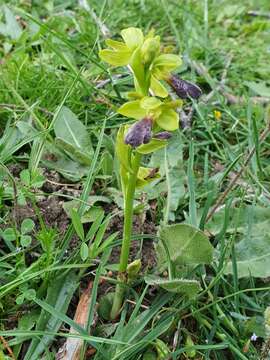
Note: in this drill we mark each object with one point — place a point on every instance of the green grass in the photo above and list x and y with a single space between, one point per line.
52 63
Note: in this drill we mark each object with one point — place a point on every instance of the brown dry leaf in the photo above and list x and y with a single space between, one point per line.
72 347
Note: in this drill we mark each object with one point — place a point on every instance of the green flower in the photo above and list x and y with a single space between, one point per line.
162 113
143 55
121 52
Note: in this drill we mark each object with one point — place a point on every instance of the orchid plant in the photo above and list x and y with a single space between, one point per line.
155 112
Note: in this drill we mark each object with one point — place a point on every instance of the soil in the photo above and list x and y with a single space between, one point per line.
51 210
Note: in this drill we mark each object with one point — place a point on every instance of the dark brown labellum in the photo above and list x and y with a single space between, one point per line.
183 88
139 133
164 135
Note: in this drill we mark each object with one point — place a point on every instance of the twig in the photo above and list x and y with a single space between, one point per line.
258 13
234 180
103 83
7 347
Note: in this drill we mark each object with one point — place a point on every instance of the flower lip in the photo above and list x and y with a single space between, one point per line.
164 135
183 88
139 133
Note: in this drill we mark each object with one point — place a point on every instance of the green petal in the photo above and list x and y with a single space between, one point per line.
168 120
116 45
150 103
116 58
158 88
168 61
133 110
133 37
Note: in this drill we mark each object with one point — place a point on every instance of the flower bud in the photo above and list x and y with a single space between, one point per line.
183 88
150 49
164 135
139 133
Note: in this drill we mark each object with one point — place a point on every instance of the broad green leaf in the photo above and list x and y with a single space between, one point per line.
71 131
11 27
150 103
70 169
9 234
182 286
173 176
25 240
186 245
253 252
115 58
153 145
132 109
168 120
158 88
84 251
105 306
73 152
259 88
25 177
76 221
162 349
133 37
27 226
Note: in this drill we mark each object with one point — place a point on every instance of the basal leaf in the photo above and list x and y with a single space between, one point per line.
182 286
186 245
71 130
74 152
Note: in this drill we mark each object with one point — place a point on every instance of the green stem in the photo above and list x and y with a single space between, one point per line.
128 221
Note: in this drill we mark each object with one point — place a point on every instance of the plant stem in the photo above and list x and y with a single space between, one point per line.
128 221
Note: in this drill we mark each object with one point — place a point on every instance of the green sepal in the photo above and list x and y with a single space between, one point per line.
123 151
115 58
133 37
153 145
168 120
132 109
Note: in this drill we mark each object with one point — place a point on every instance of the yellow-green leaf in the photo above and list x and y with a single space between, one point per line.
116 58
133 110
168 120
133 37
158 88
